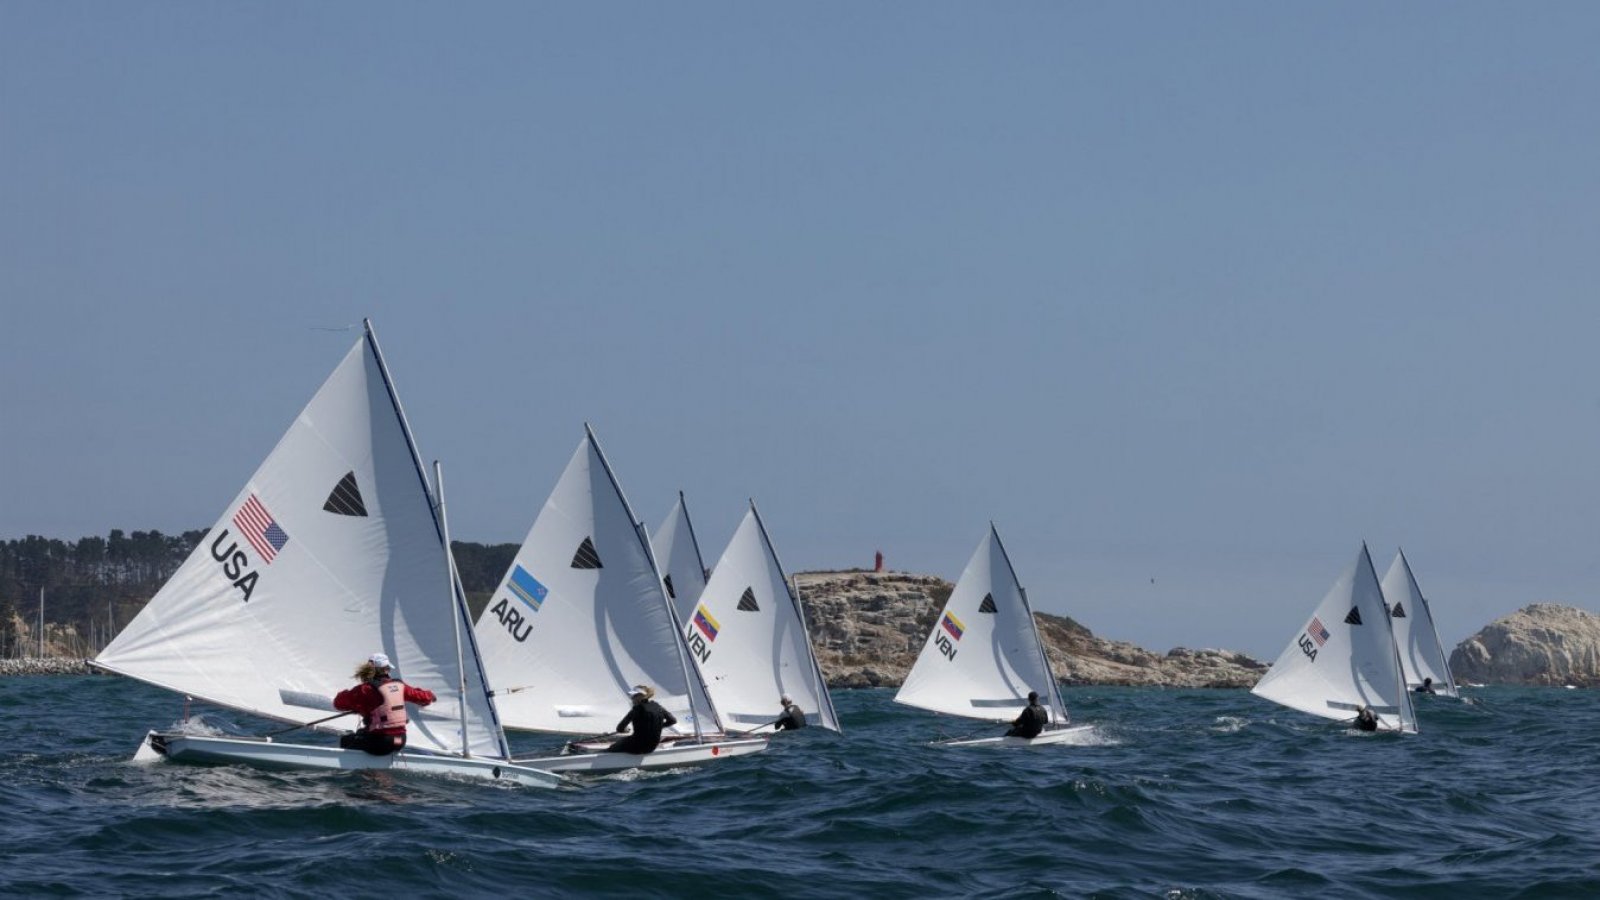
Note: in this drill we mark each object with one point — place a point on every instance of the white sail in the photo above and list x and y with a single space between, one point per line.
1421 653
1344 657
683 569
748 637
983 655
582 614
332 551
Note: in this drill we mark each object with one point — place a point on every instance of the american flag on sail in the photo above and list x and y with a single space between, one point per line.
1317 632
260 529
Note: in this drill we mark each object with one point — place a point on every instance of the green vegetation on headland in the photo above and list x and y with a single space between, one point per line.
94 585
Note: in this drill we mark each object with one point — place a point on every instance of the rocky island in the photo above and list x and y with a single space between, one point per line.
1542 644
868 627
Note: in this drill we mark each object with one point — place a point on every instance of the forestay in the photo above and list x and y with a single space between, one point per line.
582 614
748 637
1344 657
683 569
1421 653
330 552
983 655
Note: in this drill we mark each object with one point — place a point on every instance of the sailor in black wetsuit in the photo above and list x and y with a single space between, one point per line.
1366 719
647 718
792 717
1426 687
1031 721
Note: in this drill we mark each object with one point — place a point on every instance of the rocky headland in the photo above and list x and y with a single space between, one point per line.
868 627
1542 644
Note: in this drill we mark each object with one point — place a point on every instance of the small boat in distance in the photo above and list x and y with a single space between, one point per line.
985 655
335 548
1416 636
1344 658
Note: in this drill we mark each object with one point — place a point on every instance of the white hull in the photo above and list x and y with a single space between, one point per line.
666 756
185 748
1069 734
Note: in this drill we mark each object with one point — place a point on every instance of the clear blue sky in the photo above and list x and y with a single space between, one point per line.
1189 298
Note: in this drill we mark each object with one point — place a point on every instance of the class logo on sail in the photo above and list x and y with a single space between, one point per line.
263 533
702 631
523 587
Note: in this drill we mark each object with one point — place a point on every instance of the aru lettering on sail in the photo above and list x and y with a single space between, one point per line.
512 620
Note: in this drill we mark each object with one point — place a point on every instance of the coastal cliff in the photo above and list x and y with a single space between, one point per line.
868 627
1542 644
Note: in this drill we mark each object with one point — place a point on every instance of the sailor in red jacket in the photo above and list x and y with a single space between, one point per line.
381 700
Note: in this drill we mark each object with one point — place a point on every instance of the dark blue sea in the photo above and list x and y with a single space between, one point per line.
1180 794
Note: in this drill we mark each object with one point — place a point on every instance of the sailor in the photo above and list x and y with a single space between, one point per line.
792 717
1366 719
647 718
1426 687
381 700
1031 721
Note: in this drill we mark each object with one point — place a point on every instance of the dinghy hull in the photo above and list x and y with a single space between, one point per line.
1070 734
203 750
667 756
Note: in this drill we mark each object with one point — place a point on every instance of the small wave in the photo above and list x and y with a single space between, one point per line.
1229 724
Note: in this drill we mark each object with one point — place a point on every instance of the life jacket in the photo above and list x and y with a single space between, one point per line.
391 710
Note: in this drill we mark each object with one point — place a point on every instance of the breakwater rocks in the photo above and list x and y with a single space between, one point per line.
868 627
46 666
1542 644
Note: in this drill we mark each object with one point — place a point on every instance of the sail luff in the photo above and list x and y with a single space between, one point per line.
435 508
829 717
1058 706
691 674
1433 625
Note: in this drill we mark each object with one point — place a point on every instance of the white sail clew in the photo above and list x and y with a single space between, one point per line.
683 569
1421 653
330 552
748 636
984 654
582 615
1344 657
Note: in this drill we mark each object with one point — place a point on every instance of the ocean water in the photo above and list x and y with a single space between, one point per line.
1174 794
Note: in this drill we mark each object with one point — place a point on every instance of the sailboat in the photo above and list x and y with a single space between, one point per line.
984 655
748 637
581 616
335 548
1421 651
683 569
1344 658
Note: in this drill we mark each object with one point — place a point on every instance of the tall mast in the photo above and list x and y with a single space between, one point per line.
455 619
433 510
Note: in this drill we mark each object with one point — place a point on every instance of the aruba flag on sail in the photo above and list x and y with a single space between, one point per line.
260 528
707 625
953 625
526 587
